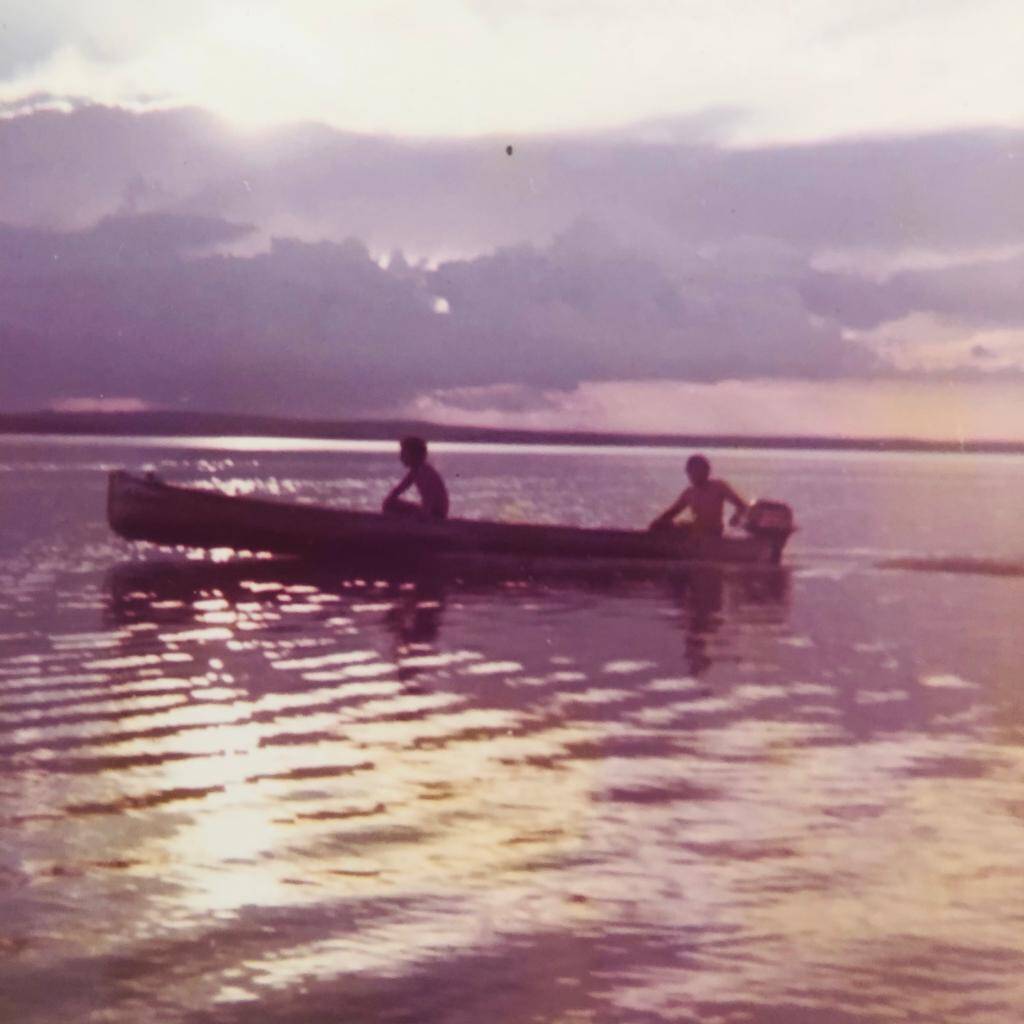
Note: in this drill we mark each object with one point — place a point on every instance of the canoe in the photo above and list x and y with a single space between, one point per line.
146 508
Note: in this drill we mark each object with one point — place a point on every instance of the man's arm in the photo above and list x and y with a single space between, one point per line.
666 517
737 502
402 486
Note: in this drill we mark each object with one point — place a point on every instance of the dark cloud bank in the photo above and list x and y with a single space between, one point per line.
160 256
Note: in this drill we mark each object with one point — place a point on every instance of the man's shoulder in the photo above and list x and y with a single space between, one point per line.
429 471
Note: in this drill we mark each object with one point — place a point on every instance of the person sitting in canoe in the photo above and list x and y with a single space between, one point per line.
705 498
433 494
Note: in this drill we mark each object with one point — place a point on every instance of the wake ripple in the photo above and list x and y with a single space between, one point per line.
957 565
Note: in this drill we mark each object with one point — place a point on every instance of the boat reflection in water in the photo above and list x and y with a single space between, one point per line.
412 602
356 791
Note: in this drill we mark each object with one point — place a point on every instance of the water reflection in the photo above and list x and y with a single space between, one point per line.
374 736
275 792
353 751
412 602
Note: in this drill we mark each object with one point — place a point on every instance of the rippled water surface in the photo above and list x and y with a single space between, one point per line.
246 790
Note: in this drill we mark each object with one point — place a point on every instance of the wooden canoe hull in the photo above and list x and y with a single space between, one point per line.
150 510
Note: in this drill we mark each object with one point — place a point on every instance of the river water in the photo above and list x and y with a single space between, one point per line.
240 790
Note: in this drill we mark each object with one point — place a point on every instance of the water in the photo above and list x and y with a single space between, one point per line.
242 791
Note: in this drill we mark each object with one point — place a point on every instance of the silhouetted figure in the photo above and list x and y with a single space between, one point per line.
427 481
705 498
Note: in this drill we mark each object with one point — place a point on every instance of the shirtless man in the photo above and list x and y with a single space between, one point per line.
705 498
427 481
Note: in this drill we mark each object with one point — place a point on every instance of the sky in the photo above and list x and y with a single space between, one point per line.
783 70
737 213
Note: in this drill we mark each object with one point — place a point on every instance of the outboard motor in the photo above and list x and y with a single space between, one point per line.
771 521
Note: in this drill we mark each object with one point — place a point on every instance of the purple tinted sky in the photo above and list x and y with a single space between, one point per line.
694 196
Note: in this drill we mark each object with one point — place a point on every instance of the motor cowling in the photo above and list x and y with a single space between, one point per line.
772 521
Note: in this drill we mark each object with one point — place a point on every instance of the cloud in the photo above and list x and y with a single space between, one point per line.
99 403
981 294
104 32
162 256
941 410
588 307
128 241
128 308
474 67
942 192
932 343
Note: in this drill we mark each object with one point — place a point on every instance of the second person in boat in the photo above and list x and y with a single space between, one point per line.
433 503
705 498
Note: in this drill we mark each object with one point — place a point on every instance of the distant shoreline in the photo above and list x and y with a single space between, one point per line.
189 424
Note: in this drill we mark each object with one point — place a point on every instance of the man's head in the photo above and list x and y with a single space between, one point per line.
413 451
698 469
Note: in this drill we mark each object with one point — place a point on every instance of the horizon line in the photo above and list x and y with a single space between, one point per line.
187 423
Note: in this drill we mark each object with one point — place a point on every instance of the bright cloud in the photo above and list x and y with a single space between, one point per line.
924 341
943 411
457 67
